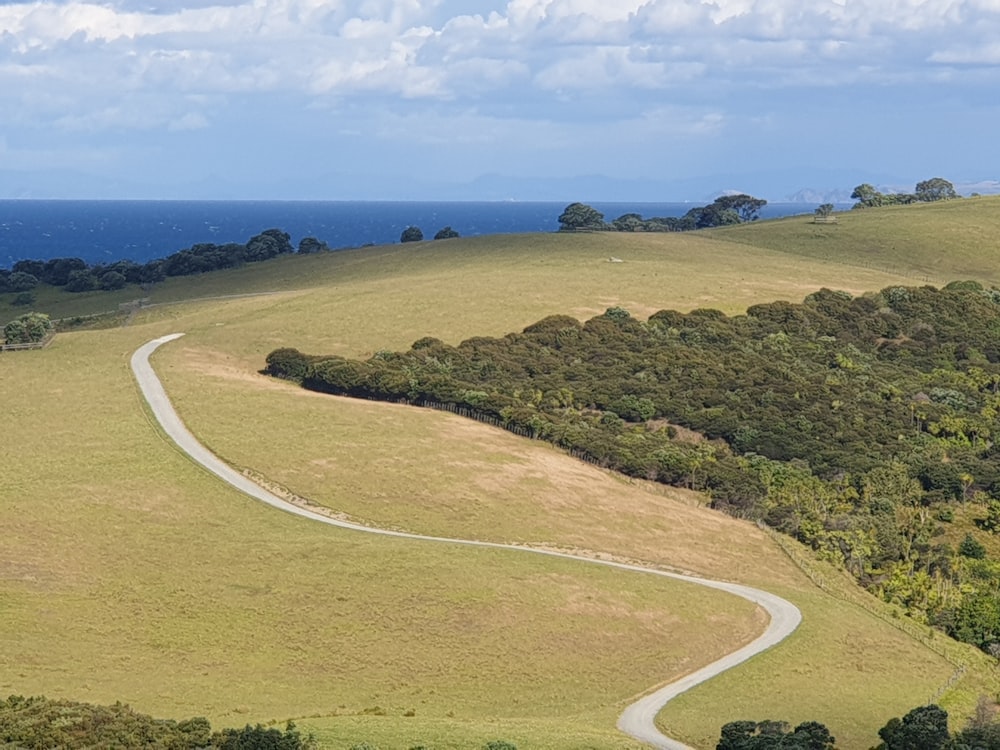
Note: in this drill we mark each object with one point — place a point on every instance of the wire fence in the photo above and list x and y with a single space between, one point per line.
924 635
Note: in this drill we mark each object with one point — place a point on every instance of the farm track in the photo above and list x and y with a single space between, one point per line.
638 719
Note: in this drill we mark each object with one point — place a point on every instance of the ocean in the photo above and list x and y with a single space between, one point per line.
106 231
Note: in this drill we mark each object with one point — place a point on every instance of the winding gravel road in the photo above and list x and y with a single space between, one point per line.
638 720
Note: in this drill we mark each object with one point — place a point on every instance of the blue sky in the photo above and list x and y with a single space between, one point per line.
410 99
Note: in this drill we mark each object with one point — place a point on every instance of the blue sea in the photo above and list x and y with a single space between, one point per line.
106 231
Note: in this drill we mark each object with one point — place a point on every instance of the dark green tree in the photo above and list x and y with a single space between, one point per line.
411 234
712 215
824 210
262 738
923 728
629 223
312 245
57 270
112 280
746 206
580 216
268 244
971 548
935 189
810 735
774 735
21 281
80 281
446 234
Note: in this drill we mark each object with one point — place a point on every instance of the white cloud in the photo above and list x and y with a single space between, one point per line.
599 69
982 54
388 45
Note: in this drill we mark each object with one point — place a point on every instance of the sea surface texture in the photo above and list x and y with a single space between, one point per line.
106 231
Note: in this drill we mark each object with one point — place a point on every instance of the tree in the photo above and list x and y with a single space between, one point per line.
746 206
768 735
446 234
80 281
923 728
712 215
867 196
57 270
20 281
824 210
629 223
27 329
112 280
810 735
312 245
264 246
411 234
34 267
935 189
580 216
971 548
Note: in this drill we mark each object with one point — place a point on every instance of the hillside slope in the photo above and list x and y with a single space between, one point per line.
122 560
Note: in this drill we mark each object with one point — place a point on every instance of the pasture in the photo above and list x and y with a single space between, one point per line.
129 574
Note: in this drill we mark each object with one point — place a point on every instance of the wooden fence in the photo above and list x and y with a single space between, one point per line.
30 345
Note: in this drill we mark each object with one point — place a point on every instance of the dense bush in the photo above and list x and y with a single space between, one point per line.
27 329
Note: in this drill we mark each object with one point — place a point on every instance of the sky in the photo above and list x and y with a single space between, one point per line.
485 99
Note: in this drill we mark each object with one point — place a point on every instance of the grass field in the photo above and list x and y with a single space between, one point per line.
122 560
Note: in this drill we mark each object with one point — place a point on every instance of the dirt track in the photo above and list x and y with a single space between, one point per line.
638 720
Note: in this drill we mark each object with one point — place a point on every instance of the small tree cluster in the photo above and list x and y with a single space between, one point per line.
927 191
27 329
724 210
774 735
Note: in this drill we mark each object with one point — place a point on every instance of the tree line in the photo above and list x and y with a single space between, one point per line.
723 211
927 191
854 424
76 275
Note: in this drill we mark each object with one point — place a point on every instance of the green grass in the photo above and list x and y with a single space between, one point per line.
122 560
396 733
930 242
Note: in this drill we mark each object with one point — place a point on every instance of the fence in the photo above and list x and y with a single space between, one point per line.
29 345
949 650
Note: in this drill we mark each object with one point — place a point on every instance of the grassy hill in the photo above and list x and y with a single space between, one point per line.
129 574
926 242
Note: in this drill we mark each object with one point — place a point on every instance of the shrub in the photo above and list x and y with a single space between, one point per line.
411 234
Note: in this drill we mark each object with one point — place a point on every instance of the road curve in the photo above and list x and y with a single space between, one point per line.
638 719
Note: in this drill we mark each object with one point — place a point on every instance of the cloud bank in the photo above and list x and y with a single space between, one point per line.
523 84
